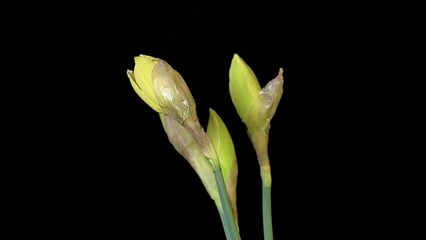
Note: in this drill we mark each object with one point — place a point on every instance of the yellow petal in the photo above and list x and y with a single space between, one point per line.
142 94
143 82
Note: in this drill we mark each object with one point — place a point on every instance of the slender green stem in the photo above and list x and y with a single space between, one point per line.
267 216
228 215
224 223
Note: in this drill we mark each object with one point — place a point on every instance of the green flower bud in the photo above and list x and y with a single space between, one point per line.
222 142
256 107
243 86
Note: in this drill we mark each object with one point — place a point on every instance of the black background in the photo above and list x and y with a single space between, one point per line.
119 176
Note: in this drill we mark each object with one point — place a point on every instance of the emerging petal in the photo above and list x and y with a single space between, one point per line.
141 80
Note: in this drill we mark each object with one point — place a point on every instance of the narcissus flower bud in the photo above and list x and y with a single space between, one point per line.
222 142
162 88
256 107
243 86
165 91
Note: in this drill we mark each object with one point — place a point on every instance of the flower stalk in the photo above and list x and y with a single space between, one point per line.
267 213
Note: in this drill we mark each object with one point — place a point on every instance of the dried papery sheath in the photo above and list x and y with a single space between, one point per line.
172 93
265 106
185 145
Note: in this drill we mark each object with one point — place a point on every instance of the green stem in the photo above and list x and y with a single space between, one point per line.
267 216
228 215
259 139
224 224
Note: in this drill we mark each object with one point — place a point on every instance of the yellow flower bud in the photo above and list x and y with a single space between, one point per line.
165 91
162 88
